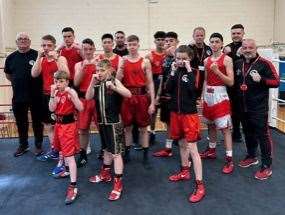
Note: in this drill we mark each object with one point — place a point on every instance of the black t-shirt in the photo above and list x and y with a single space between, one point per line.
234 48
200 54
120 52
25 87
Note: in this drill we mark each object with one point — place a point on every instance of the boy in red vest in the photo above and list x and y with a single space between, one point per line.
63 102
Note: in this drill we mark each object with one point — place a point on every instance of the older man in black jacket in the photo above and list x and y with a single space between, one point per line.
254 76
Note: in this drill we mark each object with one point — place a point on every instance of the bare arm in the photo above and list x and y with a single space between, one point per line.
37 67
90 91
120 72
75 99
53 101
150 85
228 79
121 89
78 76
62 64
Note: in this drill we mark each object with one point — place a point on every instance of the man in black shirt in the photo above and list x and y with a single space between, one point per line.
254 76
120 48
201 52
27 93
234 51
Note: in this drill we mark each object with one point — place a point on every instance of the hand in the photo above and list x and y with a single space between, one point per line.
170 51
227 50
239 52
187 65
110 85
68 90
53 88
95 79
214 67
76 46
174 66
156 101
53 55
255 76
41 53
62 45
151 109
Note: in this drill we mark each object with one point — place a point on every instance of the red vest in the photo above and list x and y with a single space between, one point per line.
156 62
88 71
65 106
134 75
114 61
212 78
48 69
72 56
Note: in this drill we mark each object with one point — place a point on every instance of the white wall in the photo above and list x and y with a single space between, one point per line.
92 18
279 30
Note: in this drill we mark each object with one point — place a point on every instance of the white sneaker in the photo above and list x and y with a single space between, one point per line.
88 150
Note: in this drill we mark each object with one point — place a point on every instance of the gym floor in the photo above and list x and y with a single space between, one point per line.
27 188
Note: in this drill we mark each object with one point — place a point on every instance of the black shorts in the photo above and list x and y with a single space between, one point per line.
112 137
47 115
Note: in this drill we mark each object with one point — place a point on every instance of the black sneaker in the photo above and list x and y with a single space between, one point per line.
81 161
22 149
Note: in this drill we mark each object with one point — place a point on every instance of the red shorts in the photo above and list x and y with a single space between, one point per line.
66 138
135 110
85 117
185 126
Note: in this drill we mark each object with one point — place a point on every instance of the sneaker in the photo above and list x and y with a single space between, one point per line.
81 161
57 170
62 174
51 155
183 175
264 173
71 194
38 152
248 161
88 150
22 149
117 190
163 153
104 176
199 192
229 166
209 153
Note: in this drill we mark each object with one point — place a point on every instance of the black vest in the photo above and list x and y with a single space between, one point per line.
108 104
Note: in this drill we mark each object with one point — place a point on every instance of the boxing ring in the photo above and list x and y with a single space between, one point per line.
27 188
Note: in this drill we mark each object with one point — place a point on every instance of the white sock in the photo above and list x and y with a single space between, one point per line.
168 143
212 145
229 153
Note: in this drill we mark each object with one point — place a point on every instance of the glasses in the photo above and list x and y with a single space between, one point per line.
23 39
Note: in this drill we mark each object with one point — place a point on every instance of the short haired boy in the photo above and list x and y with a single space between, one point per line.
64 102
184 119
108 92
